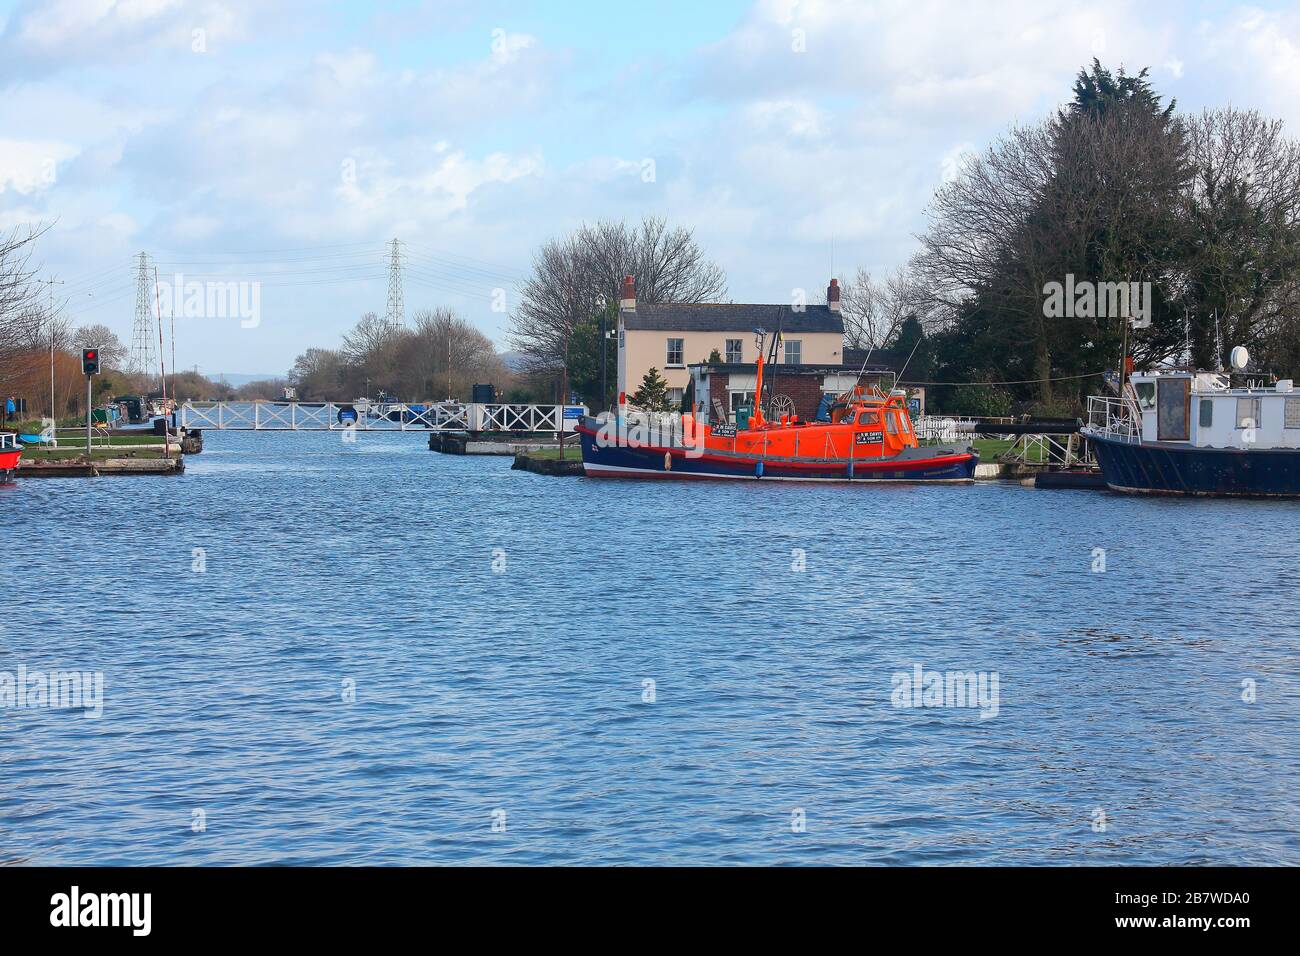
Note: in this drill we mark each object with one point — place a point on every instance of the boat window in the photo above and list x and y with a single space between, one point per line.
891 423
868 418
1292 413
903 422
1248 412
1207 413
1146 393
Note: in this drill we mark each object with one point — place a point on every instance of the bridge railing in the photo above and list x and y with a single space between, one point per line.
377 416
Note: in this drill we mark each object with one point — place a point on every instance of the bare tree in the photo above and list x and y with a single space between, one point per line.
372 349
318 375
266 389
444 354
553 301
23 313
668 264
873 311
577 275
1242 281
112 353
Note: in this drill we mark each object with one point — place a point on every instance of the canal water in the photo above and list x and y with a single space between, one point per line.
315 652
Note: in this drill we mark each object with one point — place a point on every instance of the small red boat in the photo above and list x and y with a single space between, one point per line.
10 452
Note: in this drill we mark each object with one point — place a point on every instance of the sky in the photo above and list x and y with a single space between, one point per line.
284 145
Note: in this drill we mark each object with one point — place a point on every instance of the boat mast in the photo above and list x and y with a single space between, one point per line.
771 360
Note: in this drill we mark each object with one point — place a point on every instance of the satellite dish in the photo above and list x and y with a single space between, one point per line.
1239 358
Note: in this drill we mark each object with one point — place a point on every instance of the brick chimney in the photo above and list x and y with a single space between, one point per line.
627 303
833 296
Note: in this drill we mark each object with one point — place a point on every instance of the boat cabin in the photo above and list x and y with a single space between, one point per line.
1203 410
863 426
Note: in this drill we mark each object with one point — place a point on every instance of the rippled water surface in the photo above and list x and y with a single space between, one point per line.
519 696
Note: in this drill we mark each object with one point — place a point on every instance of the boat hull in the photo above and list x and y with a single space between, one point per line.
1145 468
618 461
9 464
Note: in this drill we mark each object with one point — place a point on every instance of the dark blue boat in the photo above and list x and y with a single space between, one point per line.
1185 433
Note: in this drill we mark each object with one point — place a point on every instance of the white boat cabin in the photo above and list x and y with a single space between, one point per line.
1203 410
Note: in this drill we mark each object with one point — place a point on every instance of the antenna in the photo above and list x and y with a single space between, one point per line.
396 311
49 284
142 357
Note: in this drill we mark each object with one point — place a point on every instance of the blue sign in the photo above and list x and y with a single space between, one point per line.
572 413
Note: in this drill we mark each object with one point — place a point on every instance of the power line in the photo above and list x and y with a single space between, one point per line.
1023 381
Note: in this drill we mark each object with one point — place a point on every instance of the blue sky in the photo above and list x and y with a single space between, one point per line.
284 143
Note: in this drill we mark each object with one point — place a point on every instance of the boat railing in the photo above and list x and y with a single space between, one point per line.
944 429
8 440
1114 418
634 426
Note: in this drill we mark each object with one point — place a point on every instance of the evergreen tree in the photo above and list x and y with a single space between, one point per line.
652 396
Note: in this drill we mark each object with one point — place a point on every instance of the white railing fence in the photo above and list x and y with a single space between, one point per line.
377 416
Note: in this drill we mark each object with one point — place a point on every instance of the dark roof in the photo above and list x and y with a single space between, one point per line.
731 317
880 358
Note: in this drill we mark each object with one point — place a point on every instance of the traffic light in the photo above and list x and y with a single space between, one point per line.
90 361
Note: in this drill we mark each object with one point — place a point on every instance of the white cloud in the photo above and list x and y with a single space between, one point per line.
1260 51
46 36
926 58
29 166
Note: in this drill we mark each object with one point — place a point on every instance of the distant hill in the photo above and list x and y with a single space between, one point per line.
514 360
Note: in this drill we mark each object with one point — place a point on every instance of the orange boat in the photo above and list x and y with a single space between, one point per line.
869 437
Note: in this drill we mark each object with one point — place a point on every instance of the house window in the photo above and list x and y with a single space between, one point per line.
741 398
1292 413
1207 413
735 351
793 351
1248 412
676 353
675 397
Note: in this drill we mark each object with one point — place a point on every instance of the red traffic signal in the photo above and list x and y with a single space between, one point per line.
90 361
